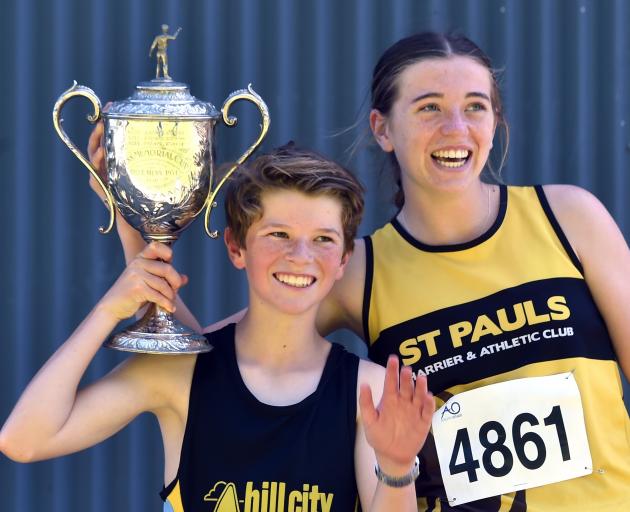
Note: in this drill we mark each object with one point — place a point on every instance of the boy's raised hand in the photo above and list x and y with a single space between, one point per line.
148 278
397 428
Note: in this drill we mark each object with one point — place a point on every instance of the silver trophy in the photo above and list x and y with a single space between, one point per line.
159 150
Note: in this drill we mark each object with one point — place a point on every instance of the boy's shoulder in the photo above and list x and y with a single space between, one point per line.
373 375
166 378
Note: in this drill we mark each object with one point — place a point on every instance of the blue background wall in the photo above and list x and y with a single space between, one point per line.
566 81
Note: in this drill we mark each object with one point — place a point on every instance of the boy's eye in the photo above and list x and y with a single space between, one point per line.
278 234
324 238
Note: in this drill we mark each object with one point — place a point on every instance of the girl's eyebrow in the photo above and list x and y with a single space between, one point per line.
427 95
440 95
478 95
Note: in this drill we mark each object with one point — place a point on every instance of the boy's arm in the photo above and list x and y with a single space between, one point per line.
390 434
51 418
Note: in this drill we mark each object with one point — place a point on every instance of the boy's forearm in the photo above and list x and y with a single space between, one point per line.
387 498
48 400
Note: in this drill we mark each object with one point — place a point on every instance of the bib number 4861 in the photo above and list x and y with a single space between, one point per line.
489 443
496 444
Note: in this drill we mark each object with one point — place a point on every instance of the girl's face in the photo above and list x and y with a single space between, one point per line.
441 125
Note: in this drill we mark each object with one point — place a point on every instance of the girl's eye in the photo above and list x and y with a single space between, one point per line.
431 107
476 107
278 234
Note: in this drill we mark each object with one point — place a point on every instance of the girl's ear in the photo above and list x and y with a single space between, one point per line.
378 124
234 249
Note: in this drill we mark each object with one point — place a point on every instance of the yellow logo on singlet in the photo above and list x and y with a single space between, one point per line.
271 497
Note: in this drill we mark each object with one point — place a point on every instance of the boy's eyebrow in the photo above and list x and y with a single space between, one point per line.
440 95
330 230
280 225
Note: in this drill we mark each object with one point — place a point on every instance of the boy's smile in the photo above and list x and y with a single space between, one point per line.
294 252
299 281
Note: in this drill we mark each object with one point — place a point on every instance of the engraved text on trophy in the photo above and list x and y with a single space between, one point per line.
161 173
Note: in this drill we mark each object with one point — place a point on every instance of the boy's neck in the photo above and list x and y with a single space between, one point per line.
278 340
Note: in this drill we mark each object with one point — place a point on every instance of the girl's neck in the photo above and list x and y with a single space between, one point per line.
450 218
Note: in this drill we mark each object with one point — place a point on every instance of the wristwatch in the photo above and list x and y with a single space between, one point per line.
399 481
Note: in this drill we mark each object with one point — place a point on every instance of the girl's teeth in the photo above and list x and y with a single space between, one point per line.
453 165
452 158
451 153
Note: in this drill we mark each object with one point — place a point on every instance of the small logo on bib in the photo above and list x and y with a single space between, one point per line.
451 411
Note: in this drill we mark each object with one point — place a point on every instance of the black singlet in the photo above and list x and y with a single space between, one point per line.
241 454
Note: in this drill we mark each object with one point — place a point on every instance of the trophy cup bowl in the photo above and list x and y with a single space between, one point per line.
159 154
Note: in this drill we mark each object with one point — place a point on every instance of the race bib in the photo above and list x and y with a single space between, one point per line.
510 436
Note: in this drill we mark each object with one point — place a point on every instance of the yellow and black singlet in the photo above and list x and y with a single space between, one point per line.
510 304
242 455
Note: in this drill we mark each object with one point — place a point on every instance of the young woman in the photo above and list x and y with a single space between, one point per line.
475 284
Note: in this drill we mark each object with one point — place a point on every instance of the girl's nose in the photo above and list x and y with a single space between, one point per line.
454 122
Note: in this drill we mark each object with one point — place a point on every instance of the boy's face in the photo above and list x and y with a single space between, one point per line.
294 252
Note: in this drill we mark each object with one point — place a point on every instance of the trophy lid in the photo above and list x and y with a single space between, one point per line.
161 98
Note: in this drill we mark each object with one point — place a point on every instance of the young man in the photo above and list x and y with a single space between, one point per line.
274 418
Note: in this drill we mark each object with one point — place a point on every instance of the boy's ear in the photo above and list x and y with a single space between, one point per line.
344 261
235 252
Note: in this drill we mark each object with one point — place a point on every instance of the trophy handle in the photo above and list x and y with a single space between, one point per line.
242 94
86 92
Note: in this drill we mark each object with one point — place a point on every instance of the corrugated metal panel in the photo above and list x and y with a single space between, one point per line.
566 70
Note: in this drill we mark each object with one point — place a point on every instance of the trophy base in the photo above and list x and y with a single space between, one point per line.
157 332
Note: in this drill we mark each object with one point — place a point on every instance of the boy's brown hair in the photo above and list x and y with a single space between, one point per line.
291 168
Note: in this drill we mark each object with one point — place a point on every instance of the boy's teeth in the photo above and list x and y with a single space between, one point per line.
297 281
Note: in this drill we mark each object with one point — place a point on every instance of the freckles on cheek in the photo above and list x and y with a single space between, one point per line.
331 255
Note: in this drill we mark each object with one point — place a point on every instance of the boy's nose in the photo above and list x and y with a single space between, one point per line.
300 251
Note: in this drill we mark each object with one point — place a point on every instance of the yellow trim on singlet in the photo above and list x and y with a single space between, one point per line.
174 499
